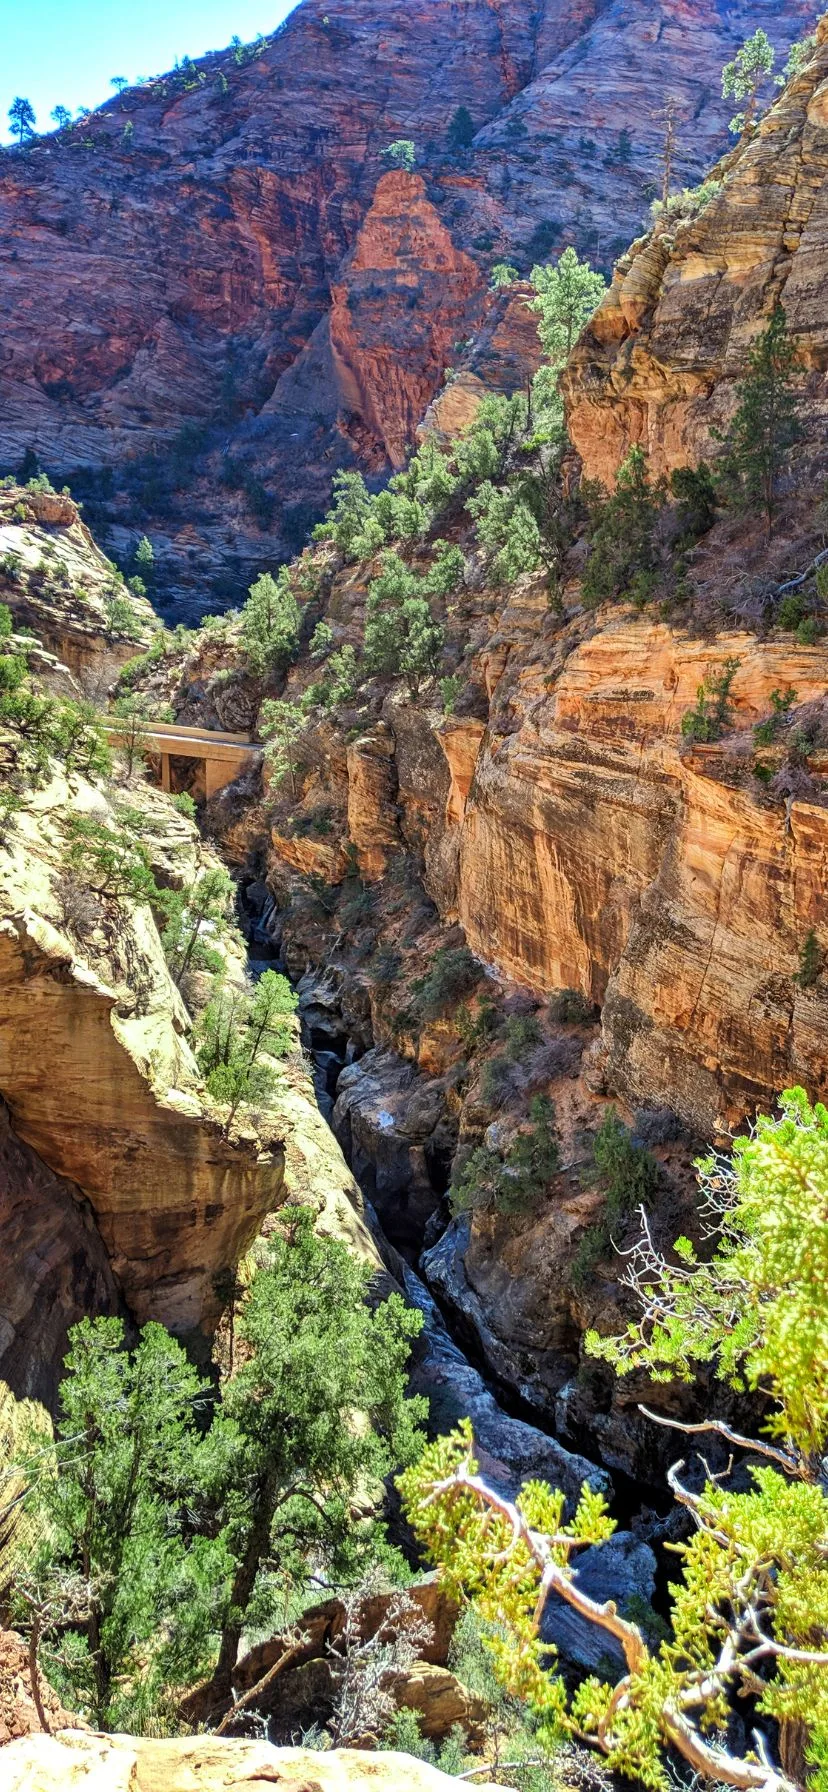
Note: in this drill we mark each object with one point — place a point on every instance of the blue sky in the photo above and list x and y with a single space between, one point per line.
64 52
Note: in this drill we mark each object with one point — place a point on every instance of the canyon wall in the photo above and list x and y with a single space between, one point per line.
210 303
107 1109
661 359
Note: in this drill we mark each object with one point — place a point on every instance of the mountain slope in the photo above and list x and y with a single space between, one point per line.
191 279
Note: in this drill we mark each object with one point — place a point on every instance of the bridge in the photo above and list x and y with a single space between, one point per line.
224 756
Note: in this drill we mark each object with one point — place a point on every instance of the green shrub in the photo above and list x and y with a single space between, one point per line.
713 713
522 1033
454 973
183 802
622 531
515 1181
569 1008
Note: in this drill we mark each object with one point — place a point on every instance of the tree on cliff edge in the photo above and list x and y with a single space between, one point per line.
745 76
22 119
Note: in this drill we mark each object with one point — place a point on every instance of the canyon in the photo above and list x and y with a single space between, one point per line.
215 293
522 895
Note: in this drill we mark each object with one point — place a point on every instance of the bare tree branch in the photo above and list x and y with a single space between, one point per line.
789 1463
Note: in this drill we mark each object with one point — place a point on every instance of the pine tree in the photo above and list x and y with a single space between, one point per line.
566 296
270 622
22 119
745 76
765 425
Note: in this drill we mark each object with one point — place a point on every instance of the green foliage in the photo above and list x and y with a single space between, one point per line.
628 1175
280 725
460 133
270 623
22 119
798 58
450 690
112 1515
522 1034
514 1181
6 624
194 920
401 634
713 713
454 973
781 704
185 805
753 1310
321 641
622 550
566 295
109 864
293 1495
689 203
810 962
745 76
349 514
507 530
169 1517
238 1029
503 274
694 492
145 558
121 619
765 425
400 154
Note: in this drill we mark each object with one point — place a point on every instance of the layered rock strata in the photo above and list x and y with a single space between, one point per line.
214 293
664 353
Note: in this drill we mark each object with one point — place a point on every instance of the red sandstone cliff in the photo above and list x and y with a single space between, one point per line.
234 273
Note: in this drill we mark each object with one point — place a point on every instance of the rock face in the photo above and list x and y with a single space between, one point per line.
73 1760
213 284
594 853
57 582
58 1268
659 363
102 1087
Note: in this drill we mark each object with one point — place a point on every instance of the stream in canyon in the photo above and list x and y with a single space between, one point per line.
513 1444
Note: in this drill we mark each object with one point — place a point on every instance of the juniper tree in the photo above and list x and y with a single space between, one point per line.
193 918
749 1616
400 154
297 1465
461 129
566 295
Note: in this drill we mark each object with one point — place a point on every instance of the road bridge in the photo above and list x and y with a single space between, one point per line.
224 756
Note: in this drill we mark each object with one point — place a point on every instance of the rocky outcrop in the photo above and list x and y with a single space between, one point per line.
103 1089
57 582
297 303
661 359
18 1711
72 1761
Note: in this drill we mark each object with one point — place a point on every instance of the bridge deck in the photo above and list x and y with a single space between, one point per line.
225 755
